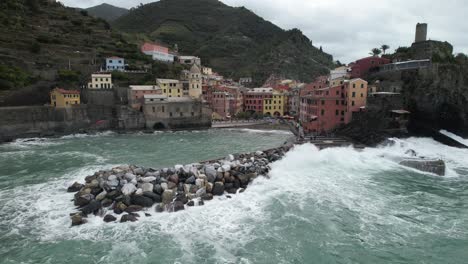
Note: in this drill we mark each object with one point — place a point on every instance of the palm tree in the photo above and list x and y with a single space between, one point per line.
384 48
375 52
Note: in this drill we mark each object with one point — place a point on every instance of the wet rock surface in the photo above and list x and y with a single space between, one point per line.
119 193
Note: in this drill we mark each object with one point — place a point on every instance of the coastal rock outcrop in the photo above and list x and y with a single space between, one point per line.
126 190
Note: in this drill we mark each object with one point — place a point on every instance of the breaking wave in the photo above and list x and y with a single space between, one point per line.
324 201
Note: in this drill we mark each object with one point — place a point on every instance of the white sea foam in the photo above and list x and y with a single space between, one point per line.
260 131
23 143
98 134
333 181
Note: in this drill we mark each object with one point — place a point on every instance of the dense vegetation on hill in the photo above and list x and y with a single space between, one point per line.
107 12
44 44
234 41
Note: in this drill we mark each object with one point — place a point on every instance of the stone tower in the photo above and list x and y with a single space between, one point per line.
421 33
195 82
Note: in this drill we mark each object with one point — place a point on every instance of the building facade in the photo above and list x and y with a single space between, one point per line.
61 98
254 99
158 52
361 68
162 112
101 81
115 64
275 105
170 87
136 94
189 60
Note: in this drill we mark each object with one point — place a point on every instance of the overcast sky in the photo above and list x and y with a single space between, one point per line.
350 29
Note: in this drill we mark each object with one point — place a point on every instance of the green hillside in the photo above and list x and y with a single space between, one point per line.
107 12
43 44
234 41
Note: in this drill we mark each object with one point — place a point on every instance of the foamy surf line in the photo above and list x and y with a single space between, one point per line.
260 131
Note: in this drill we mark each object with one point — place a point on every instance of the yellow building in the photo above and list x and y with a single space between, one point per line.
357 97
101 81
64 98
170 88
275 105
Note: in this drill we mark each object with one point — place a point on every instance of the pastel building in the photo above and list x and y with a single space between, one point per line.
324 109
254 99
61 98
361 68
115 64
136 94
274 105
356 90
101 81
340 72
207 71
158 52
170 87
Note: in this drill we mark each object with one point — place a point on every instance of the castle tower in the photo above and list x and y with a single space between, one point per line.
195 82
421 33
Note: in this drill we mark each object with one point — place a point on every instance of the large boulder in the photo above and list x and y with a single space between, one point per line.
147 187
142 200
432 166
133 209
210 173
153 196
75 187
129 189
128 218
173 178
109 218
77 219
83 200
91 208
218 188
167 196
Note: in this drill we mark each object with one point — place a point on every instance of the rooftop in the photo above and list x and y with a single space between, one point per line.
144 87
63 91
167 81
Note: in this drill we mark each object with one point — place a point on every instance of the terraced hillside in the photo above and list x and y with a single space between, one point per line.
43 44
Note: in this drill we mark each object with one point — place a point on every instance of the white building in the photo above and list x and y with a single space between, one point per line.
101 81
189 60
339 72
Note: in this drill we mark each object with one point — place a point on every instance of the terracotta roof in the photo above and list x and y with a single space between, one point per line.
63 91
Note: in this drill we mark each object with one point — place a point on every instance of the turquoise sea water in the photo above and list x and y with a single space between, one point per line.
333 206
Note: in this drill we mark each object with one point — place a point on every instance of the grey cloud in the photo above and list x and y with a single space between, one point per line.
350 29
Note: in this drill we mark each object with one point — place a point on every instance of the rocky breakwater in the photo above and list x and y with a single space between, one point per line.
126 193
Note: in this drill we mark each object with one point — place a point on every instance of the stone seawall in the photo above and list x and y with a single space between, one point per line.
35 121
43 121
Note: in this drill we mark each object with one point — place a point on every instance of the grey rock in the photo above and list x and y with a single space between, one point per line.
91 208
167 196
432 166
128 218
190 180
158 189
218 188
101 196
141 200
84 199
128 189
109 218
77 219
153 196
75 187
147 187
133 208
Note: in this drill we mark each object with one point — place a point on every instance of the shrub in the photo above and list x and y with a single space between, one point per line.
35 47
68 76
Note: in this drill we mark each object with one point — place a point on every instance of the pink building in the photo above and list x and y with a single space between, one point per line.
361 68
253 99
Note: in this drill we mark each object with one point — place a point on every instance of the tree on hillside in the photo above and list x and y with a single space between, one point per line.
375 52
384 48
